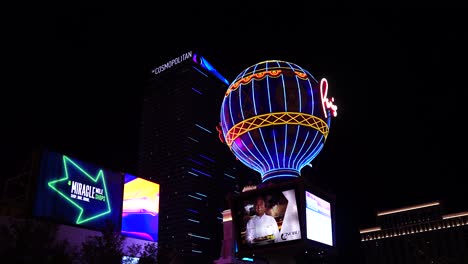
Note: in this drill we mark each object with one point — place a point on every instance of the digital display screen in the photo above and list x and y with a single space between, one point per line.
74 192
318 219
267 218
140 208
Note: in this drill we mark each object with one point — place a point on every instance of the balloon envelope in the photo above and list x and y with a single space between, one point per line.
275 118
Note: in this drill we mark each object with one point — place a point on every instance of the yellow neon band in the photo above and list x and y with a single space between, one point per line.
273 119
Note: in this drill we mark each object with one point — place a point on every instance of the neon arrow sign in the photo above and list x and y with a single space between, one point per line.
81 190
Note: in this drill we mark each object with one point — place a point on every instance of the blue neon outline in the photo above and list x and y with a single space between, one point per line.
229 175
315 152
197 91
200 71
294 146
312 95
280 169
201 172
306 152
230 114
276 148
244 159
300 150
260 130
279 176
239 90
301 159
207 158
284 94
192 235
194 197
298 128
268 89
194 174
222 118
196 162
194 140
250 136
201 127
262 165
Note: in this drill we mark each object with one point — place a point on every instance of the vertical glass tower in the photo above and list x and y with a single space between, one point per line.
180 148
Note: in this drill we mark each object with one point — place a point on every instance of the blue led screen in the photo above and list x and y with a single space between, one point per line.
140 208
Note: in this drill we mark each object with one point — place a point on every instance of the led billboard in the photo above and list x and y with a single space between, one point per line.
266 218
140 208
74 192
318 219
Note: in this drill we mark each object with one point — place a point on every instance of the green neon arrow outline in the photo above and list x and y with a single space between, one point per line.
100 174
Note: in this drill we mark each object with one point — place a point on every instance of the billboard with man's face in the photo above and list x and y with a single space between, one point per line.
266 218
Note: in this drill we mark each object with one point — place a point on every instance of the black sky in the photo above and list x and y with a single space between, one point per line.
397 76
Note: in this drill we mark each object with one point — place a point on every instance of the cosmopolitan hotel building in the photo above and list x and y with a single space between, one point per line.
181 150
416 234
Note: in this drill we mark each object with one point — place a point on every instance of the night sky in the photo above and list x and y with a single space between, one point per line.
397 76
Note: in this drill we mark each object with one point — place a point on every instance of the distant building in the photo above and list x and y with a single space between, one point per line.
180 148
416 234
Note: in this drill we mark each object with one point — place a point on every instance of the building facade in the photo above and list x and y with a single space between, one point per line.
417 234
180 148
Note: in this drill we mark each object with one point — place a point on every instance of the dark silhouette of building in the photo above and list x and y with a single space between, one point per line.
181 150
417 234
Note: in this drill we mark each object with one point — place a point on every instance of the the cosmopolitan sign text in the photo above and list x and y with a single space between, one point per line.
172 63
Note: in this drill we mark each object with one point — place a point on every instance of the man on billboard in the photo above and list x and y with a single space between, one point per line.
261 228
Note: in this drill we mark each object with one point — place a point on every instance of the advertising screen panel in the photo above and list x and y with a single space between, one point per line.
318 219
71 191
267 218
140 208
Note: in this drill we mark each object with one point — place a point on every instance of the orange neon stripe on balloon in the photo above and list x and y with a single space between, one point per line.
260 76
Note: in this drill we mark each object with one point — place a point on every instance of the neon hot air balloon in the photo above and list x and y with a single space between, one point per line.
275 118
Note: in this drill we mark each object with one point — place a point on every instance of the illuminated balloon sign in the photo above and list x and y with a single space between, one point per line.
275 118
